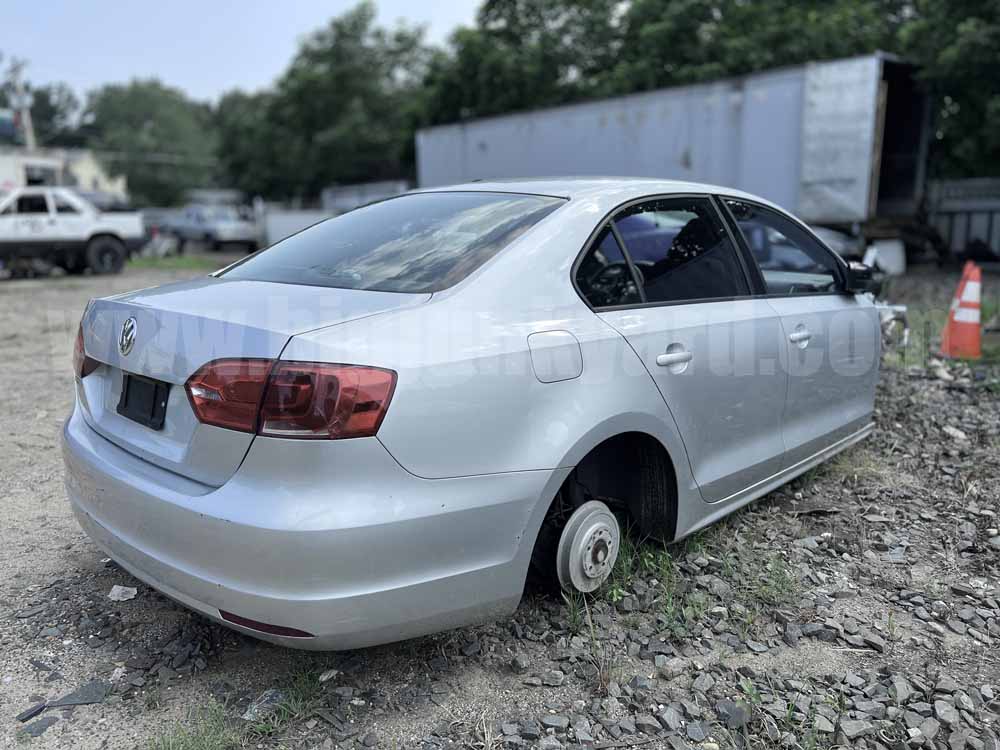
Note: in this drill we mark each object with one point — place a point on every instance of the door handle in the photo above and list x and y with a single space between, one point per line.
673 358
800 336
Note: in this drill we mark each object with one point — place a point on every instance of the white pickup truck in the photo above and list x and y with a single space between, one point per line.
58 226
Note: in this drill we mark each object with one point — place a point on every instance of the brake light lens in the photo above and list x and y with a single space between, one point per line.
291 399
227 392
82 364
315 400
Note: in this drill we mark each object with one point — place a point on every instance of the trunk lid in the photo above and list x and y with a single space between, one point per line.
178 328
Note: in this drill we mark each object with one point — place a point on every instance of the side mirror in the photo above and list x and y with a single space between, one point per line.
859 279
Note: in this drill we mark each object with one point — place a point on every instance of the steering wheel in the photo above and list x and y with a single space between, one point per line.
610 281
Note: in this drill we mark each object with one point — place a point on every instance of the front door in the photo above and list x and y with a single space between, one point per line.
831 340
710 348
34 224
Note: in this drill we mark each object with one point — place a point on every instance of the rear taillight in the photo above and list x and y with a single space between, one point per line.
292 399
82 364
227 392
313 400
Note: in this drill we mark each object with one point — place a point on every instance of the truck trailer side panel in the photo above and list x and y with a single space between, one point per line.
807 137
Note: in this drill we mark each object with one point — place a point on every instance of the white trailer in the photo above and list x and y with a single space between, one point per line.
839 143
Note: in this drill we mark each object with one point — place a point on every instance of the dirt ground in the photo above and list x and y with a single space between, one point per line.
857 606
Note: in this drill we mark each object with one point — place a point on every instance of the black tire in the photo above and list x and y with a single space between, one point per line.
74 265
656 506
542 569
106 255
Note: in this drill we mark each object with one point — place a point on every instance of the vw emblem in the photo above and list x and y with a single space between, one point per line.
127 337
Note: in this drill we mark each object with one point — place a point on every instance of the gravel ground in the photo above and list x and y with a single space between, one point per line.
859 606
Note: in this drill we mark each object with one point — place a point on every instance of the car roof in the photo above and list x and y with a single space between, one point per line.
622 188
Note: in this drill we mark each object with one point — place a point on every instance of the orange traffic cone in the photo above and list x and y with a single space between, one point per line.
960 337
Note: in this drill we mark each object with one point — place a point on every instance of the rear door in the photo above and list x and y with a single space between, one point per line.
831 340
710 347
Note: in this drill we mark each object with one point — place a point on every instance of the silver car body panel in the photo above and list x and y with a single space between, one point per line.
832 374
728 397
505 382
180 327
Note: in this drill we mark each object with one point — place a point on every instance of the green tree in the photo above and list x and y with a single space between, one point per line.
249 152
54 112
522 54
163 142
670 42
343 112
957 45
530 53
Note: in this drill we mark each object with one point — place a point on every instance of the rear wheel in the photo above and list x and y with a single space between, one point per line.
588 547
106 255
578 542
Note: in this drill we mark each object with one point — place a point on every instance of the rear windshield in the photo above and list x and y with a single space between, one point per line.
418 243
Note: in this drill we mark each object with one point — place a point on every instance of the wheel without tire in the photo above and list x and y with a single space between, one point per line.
106 255
588 547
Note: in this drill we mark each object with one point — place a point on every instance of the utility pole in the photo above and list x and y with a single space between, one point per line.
22 103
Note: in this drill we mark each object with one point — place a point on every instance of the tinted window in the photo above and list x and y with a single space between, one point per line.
32 204
681 250
790 259
421 243
604 276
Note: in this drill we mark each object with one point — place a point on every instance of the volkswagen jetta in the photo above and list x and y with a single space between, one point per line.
373 429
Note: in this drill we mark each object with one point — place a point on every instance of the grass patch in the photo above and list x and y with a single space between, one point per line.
177 263
208 730
757 580
925 334
211 729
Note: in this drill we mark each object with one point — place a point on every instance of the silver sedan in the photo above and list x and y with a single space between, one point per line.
373 429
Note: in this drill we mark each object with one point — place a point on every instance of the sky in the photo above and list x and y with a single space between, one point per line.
204 48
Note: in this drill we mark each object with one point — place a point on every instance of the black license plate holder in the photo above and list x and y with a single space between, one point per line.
144 400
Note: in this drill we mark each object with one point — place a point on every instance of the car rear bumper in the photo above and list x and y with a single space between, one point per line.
334 539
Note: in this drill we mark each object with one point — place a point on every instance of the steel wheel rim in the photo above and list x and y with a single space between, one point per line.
588 547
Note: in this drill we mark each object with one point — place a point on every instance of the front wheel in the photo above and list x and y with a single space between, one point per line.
74 265
106 255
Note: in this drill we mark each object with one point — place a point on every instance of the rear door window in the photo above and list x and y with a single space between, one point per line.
681 251
63 206
603 276
418 243
790 259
